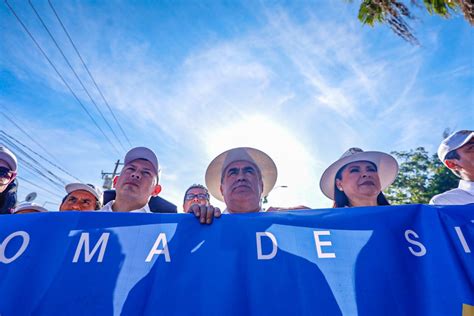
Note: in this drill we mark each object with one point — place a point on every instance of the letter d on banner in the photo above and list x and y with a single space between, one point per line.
271 255
26 240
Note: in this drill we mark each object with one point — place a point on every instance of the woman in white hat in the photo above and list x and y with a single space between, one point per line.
358 178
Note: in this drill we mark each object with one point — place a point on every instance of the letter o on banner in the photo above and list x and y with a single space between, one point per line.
26 240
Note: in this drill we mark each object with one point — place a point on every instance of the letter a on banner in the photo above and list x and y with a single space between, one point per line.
155 251
84 242
271 255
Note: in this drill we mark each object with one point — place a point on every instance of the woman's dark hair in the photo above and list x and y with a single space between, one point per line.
341 199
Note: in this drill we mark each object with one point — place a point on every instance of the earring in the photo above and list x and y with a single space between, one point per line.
340 189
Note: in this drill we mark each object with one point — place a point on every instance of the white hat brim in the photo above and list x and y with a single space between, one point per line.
71 187
387 169
266 165
29 207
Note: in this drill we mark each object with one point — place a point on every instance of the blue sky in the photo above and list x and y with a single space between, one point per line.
300 80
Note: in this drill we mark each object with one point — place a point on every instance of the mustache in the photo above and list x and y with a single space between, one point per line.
240 183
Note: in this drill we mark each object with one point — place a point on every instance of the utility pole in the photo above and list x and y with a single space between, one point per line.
109 176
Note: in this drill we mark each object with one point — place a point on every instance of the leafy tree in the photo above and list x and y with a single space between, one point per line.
396 13
421 176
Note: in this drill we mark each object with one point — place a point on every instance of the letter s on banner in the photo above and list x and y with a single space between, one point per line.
26 240
419 253
271 255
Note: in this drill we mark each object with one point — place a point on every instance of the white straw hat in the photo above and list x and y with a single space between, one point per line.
387 168
266 165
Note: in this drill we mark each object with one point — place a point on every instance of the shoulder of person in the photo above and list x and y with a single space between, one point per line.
445 197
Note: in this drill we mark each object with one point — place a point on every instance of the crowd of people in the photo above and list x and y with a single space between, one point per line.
241 177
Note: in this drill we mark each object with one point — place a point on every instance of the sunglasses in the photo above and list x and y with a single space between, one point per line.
6 173
200 196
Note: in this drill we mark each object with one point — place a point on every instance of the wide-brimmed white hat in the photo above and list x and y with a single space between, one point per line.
95 191
266 165
453 142
387 168
29 206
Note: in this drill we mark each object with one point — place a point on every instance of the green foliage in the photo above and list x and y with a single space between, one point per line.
395 13
421 176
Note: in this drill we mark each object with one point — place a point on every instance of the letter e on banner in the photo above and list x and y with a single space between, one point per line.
84 242
155 251
272 254
26 240
422 251
320 244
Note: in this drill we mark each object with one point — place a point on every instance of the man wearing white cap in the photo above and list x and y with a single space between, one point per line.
27 208
81 197
457 153
8 168
240 177
137 183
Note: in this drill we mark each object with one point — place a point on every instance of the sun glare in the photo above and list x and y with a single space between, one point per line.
296 182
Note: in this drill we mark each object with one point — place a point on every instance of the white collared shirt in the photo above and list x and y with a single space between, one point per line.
463 194
108 208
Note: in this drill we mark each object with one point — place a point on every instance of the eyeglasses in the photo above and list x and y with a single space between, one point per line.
6 173
200 196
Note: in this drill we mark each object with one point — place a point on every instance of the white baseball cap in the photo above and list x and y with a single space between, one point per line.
387 168
266 165
142 153
95 191
453 142
9 158
29 206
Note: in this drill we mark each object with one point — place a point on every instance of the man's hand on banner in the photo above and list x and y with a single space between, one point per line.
205 213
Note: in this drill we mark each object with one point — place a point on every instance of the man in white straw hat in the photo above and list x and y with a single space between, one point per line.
457 153
240 177
137 183
358 178
81 197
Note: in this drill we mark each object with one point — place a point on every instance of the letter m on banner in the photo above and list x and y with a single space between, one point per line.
88 254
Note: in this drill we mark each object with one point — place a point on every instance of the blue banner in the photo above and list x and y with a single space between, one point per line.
392 260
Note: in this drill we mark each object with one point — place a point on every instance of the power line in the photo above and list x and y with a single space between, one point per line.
60 76
37 186
39 155
59 182
24 132
74 72
90 74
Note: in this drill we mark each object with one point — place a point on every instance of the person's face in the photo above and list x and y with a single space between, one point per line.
137 181
27 211
195 196
79 200
465 164
360 181
6 175
242 187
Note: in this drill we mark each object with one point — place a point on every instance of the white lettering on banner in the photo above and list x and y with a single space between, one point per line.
462 239
422 250
26 240
320 244
272 254
155 251
84 242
